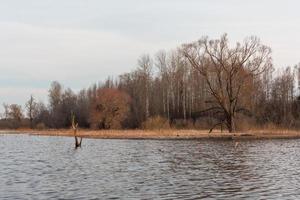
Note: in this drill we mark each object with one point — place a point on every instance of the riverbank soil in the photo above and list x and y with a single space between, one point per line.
161 134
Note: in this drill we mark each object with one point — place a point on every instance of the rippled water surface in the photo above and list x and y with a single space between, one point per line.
33 167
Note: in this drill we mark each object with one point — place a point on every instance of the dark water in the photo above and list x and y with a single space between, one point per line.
50 168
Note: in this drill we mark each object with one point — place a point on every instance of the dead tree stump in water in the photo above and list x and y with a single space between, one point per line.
75 127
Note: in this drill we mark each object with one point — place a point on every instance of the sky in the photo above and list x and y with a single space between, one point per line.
80 42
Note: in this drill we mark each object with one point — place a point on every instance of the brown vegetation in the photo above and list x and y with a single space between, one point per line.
162 134
202 85
109 108
156 123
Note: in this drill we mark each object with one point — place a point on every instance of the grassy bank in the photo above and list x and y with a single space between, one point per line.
162 134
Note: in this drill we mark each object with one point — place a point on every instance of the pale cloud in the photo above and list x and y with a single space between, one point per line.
15 95
43 53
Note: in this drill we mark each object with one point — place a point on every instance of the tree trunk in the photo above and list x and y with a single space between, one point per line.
230 123
77 142
31 123
184 104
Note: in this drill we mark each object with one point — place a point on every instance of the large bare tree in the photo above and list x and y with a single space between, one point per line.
228 70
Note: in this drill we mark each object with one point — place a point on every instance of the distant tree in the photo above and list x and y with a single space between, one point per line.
68 106
16 115
82 108
109 109
279 110
130 84
55 99
31 108
145 64
163 79
55 93
42 116
6 111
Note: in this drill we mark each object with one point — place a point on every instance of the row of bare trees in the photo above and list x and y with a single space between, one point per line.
207 83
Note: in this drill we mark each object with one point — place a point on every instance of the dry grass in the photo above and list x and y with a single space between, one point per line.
164 134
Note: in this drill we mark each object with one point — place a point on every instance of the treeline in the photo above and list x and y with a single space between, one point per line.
204 84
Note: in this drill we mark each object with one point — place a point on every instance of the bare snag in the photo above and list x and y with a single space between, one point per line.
78 140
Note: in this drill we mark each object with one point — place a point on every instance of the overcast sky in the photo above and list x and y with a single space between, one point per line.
79 42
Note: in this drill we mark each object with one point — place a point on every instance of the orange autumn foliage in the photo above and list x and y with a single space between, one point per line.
109 109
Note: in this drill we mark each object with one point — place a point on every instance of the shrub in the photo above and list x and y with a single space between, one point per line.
156 122
205 123
40 126
245 123
183 124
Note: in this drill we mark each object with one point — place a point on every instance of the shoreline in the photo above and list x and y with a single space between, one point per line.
161 134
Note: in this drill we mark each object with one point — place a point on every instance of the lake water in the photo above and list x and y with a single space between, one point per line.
33 167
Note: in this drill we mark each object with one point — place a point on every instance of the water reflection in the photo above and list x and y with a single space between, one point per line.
49 167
